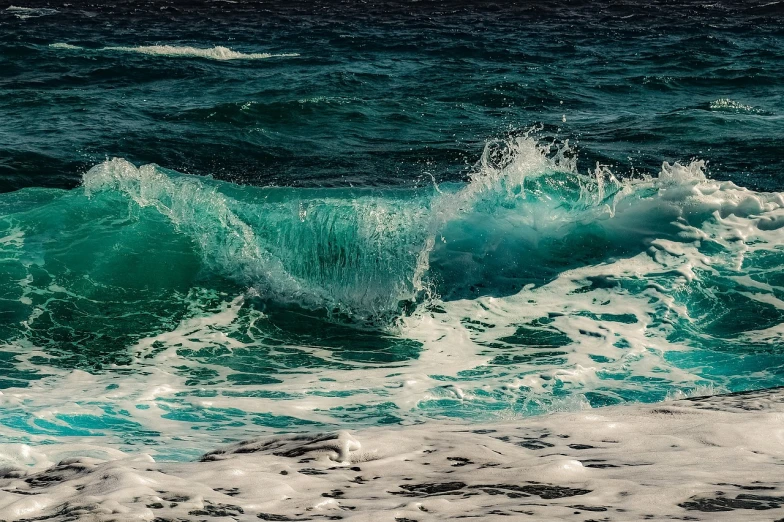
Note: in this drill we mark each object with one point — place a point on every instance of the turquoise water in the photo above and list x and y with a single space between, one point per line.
217 223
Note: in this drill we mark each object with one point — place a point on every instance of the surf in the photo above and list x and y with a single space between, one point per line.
531 287
524 216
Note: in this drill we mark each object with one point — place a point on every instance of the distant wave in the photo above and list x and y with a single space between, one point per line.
64 46
30 12
212 53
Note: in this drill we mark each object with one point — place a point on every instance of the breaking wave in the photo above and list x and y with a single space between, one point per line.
525 216
529 288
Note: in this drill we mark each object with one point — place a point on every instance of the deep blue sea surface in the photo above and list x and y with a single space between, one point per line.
229 218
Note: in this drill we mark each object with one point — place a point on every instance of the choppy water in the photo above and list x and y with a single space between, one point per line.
225 220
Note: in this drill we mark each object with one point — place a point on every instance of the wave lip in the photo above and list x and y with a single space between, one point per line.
218 52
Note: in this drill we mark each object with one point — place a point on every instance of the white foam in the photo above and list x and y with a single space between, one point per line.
715 458
64 46
212 53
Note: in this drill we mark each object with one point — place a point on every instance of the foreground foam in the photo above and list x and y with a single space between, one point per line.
705 458
213 53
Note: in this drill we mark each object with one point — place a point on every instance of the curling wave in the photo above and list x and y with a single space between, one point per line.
525 216
530 288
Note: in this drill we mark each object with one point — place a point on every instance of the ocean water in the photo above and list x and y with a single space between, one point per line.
233 219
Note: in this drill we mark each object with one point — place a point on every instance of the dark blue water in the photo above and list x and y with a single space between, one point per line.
343 192
381 94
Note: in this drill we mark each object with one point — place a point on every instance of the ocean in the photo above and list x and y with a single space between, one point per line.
226 220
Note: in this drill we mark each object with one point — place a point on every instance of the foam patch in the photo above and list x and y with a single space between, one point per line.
705 458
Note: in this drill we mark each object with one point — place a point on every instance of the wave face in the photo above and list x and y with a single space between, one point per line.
348 251
527 289
524 218
213 53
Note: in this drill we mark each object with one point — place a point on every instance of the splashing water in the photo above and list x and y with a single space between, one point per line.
180 309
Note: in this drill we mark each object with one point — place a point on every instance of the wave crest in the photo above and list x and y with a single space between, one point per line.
525 216
732 106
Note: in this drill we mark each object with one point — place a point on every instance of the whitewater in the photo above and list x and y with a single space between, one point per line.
530 289
713 458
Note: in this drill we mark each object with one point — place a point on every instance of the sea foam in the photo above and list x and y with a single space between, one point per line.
715 458
728 105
